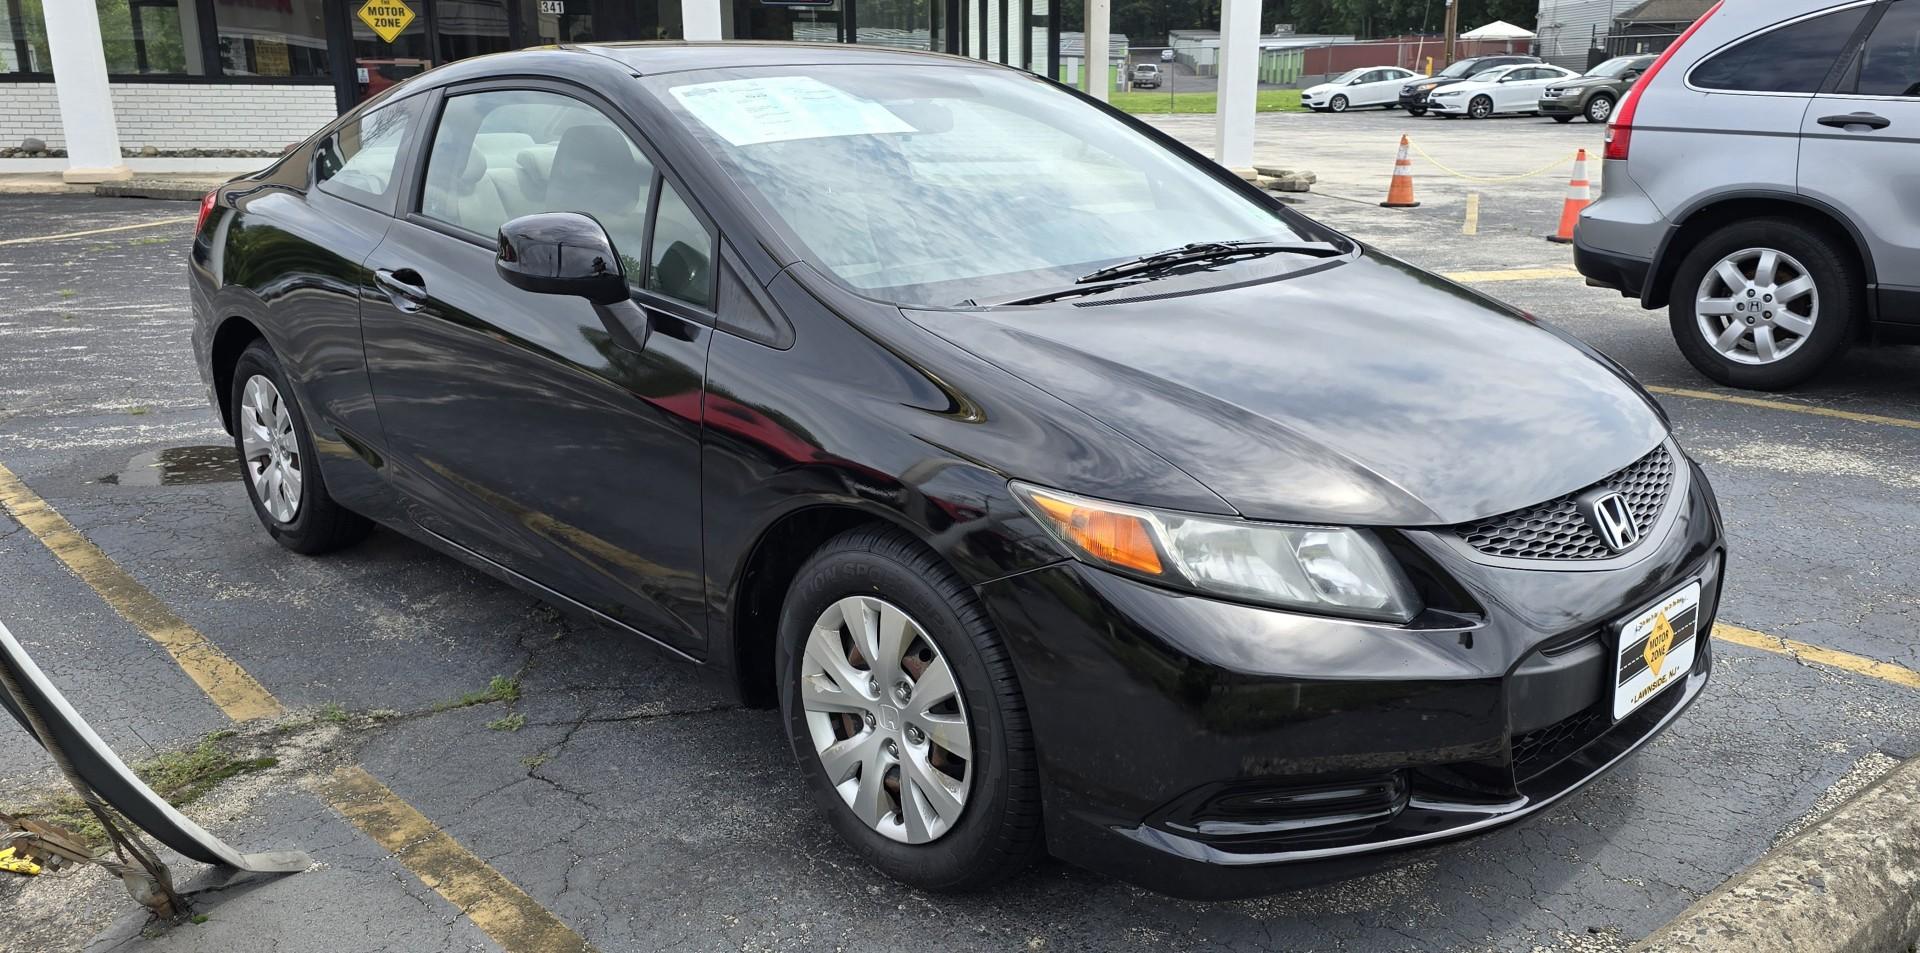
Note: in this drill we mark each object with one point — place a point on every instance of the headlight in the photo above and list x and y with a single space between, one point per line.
1323 569
1445 95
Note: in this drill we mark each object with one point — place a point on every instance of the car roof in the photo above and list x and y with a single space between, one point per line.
673 56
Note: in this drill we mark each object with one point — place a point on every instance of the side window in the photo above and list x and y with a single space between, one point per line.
682 265
359 159
1791 59
501 154
1890 62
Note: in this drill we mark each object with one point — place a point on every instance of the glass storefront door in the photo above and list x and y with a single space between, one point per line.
379 63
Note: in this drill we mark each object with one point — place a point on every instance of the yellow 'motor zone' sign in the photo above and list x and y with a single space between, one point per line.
387 18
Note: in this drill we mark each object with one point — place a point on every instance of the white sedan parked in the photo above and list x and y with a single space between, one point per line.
1367 86
1503 89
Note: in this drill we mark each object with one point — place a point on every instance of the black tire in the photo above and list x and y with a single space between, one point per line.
1416 110
1480 108
1599 109
1838 282
998 832
1563 120
1337 104
319 524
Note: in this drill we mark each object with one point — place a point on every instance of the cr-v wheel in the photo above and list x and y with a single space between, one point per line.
1765 304
282 472
903 711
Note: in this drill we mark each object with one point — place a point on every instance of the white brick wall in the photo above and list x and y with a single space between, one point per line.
179 115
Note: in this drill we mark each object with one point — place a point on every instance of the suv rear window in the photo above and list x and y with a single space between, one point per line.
1792 59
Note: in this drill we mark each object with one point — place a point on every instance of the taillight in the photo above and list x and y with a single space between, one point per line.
1620 130
206 209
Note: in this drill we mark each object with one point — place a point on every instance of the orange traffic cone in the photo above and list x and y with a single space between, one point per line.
1579 196
1400 193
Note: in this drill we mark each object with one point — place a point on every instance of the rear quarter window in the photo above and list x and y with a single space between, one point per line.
1795 58
360 161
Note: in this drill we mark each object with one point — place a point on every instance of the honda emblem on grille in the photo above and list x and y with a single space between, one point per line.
1611 519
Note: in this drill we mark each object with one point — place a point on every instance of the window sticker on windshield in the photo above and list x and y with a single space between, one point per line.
747 112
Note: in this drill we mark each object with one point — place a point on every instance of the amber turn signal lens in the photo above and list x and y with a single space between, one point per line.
1122 539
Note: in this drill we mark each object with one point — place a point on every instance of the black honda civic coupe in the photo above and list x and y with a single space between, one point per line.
1064 492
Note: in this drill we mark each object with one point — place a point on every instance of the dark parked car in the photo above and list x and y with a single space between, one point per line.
1594 94
1414 95
1063 491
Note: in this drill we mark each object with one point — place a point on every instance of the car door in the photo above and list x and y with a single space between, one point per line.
1382 86
526 428
1520 90
1860 146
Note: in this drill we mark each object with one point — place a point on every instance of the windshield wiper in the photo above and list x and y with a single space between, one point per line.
1198 252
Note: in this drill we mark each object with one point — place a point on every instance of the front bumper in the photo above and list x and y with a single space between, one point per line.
1413 100
1561 106
1212 750
1452 107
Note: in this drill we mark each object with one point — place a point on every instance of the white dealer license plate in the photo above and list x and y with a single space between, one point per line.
1656 650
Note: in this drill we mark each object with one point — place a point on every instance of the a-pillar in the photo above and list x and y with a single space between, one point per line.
1239 82
86 104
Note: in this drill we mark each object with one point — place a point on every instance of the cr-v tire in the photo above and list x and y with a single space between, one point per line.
904 713
280 468
1766 303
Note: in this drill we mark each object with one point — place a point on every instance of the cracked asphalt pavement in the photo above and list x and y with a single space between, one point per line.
621 793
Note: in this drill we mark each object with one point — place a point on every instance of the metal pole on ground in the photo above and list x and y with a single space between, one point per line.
1239 85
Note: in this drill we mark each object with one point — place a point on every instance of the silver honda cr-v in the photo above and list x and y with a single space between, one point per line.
1763 180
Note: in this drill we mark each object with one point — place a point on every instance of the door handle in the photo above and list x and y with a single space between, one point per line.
1868 120
403 286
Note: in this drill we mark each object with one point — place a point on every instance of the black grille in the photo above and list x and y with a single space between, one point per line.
1556 530
1542 748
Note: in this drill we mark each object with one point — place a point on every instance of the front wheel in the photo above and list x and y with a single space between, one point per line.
1599 109
1480 108
1766 303
1338 104
1563 120
901 705
1416 110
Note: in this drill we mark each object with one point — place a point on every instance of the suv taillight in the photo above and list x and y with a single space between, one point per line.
1620 130
206 209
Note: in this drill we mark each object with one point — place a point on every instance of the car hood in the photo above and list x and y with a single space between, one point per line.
1322 88
1465 86
1584 81
1367 393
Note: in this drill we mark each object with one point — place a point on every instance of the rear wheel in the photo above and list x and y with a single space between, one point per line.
1338 104
1599 109
282 471
1765 304
901 705
1481 107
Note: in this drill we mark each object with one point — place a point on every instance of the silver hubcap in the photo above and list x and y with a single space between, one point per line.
885 716
1600 109
1757 306
271 450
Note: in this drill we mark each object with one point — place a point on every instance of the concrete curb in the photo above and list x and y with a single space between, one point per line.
1848 884
172 190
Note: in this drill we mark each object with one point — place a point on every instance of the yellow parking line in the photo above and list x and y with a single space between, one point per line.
495 904
224 681
1832 658
156 223
1788 406
1510 274
514 920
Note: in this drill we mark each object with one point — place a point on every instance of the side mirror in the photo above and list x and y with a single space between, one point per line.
561 253
1633 75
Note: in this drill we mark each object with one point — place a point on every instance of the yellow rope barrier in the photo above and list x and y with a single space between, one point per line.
1490 178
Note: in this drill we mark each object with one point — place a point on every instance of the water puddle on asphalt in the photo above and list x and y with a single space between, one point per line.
179 466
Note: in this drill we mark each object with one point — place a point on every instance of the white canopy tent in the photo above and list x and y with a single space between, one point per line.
1498 30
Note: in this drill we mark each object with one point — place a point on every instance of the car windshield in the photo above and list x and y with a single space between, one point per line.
1613 67
1460 69
934 185
1492 74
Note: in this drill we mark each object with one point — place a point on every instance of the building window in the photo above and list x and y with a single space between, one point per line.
272 37
151 37
471 28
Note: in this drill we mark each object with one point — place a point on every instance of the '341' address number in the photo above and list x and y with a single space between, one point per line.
555 7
